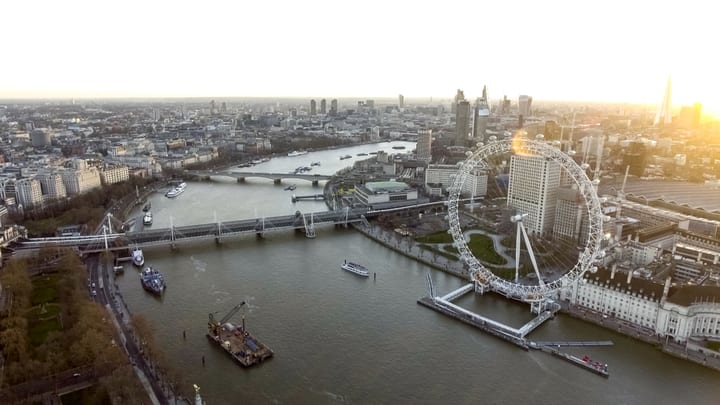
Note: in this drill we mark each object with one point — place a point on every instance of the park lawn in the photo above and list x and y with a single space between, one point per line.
437 237
44 289
483 249
439 252
41 324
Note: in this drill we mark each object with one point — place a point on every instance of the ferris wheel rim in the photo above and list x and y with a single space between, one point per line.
588 257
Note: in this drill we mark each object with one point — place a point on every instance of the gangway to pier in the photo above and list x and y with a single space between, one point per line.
574 343
452 295
535 322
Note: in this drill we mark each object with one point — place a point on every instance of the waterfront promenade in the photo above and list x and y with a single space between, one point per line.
407 246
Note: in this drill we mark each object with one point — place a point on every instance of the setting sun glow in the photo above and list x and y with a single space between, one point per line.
553 50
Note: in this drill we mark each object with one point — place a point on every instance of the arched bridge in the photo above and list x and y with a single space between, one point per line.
275 177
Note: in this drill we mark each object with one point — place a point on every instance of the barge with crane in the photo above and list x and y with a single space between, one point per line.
245 349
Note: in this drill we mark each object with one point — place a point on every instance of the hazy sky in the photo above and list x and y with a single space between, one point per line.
567 50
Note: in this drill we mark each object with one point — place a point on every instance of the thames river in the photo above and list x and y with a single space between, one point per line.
339 338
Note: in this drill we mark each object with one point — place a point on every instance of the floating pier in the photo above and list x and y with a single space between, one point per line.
479 322
596 367
316 197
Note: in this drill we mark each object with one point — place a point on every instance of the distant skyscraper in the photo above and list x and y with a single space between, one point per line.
424 145
323 107
505 106
401 101
664 113
532 190
313 107
212 107
480 118
689 117
333 107
525 106
462 122
459 96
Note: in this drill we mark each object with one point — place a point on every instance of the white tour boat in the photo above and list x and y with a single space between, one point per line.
358 269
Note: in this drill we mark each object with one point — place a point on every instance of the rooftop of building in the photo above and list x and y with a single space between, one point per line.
692 195
641 286
386 186
693 294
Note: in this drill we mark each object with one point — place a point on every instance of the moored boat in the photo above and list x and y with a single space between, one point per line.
177 190
297 153
290 187
152 281
235 340
345 157
355 268
138 258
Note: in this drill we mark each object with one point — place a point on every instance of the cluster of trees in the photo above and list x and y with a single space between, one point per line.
86 337
87 208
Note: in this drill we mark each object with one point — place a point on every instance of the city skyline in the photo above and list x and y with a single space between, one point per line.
551 51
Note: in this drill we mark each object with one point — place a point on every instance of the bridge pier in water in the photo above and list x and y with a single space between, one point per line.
241 179
277 181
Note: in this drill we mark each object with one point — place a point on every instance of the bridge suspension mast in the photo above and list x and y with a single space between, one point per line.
109 216
309 226
172 233
105 236
219 227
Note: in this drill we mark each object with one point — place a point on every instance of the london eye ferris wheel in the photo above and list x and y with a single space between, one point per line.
539 284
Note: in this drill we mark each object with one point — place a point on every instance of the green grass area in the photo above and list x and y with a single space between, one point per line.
450 248
439 252
437 237
41 323
482 248
509 242
44 289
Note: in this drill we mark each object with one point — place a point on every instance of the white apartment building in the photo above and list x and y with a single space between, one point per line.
680 313
52 185
28 192
144 162
438 178
533 189
79 181
115 174
691 312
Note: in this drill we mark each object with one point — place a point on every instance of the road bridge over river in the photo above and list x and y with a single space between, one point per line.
241 176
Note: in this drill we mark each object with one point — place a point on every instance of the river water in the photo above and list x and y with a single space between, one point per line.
339 338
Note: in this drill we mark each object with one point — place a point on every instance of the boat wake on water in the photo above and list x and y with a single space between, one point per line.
198 264
221 297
